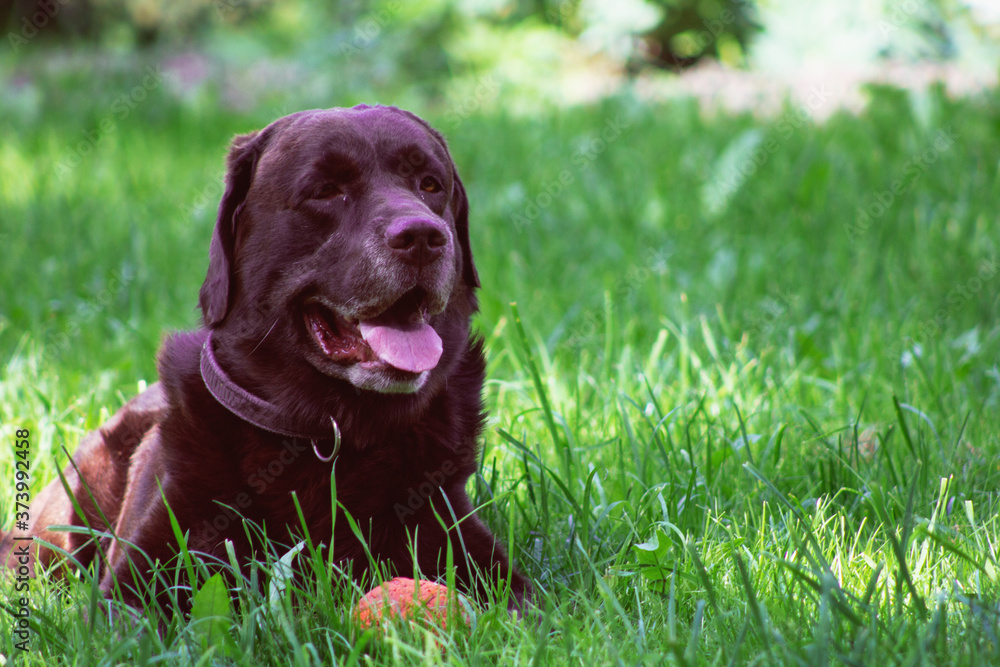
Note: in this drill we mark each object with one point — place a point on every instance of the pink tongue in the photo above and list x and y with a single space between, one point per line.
414 348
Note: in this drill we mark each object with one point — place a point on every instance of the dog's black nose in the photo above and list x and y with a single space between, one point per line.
418 241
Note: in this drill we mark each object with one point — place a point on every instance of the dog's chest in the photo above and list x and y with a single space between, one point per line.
368 483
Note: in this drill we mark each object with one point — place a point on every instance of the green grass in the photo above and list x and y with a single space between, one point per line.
731 422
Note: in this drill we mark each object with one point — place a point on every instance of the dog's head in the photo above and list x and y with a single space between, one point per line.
342 246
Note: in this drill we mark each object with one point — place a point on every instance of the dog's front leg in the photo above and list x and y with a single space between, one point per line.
143 533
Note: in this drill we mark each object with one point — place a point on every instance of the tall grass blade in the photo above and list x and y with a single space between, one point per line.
543 398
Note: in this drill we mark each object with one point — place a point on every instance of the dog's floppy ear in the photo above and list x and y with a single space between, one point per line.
460 209
215 292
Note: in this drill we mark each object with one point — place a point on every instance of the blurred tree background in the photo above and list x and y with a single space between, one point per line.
535 50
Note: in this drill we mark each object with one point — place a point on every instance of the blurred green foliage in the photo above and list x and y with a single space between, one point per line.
527 42
142 22
694 29
669 33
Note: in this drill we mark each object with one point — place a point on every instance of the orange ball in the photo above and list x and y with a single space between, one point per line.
420 601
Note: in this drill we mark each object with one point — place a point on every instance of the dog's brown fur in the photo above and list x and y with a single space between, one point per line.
409 441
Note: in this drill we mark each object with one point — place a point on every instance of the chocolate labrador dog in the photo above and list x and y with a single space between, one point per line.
335 343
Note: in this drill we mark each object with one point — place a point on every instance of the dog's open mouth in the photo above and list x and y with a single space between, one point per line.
399 337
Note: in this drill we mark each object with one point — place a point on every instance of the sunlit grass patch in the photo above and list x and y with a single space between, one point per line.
723 429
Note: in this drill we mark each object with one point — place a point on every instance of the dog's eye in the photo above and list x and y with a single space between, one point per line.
327 190
430 184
